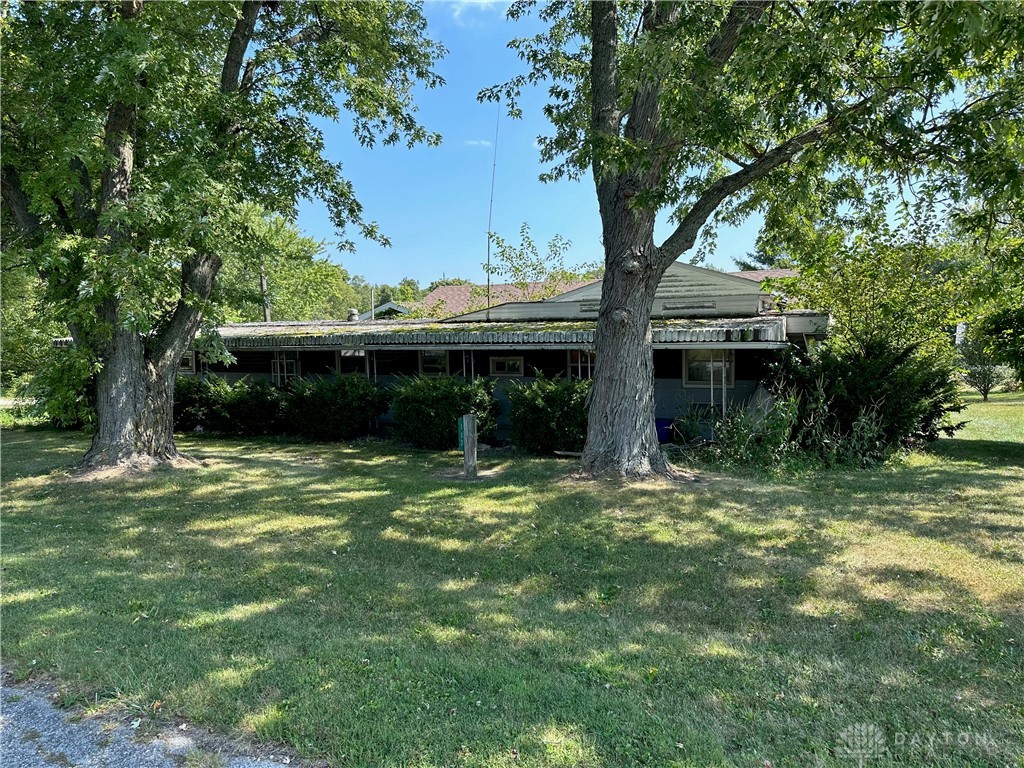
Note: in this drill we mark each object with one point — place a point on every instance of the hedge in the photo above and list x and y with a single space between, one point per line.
549 415
426 409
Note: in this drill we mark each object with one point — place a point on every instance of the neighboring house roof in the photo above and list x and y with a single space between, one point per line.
760 275
459 299
389 308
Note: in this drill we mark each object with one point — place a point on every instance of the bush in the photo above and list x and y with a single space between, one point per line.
426 409
334 409
64 389
858 406
549 415
201 403
757 434
255 407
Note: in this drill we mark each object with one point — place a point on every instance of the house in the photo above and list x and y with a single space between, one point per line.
384 311
714 336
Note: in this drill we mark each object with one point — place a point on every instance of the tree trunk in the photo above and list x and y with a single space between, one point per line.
621 437
134 406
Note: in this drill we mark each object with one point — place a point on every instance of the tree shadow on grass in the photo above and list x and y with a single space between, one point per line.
355 606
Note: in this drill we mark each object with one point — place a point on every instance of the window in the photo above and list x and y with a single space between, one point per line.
284 367
188 363
700 365
581 363
434 363
506 366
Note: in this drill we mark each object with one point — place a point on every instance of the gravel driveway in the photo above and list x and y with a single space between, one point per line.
36 734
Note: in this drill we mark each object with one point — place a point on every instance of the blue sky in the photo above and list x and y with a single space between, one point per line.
433 202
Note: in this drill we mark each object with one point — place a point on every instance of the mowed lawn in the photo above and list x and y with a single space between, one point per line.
350 602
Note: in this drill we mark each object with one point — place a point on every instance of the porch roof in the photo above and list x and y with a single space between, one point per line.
752 332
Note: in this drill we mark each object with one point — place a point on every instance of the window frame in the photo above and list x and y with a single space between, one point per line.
586 359
447 362
286 358
507 359
730 378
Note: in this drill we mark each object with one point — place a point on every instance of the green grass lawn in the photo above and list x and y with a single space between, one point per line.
349 602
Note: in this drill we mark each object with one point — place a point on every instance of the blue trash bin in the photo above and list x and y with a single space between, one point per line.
664 428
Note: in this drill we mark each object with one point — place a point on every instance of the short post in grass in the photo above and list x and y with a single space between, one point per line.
467 442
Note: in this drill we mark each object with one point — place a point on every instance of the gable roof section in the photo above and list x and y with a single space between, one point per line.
383 309
685 290
681 281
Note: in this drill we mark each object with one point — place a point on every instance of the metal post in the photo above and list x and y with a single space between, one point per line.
469 445
724 352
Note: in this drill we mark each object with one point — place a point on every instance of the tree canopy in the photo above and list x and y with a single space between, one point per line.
144 142
705 112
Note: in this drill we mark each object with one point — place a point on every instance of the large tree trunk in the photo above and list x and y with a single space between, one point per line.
134 406
621 437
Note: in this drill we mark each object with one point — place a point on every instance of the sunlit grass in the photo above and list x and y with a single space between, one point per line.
349 601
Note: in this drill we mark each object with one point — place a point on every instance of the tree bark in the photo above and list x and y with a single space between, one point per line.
621 437
134 406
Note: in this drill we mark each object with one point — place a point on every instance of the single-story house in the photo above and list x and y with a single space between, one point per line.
714 335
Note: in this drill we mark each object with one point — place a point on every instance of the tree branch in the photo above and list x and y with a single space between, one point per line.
241 35
605 116
197 276
16 201
81 198
685 235
722 46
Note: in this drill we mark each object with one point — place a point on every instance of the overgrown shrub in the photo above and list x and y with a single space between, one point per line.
255 407
426 409
758 434
334 409
64 389
858 406
201 403
549 415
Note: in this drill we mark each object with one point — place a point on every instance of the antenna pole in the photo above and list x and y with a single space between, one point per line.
490 210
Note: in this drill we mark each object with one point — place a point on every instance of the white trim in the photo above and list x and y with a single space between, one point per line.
586 360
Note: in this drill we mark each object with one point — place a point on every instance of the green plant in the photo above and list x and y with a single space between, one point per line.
201 403
549 415
64 389
255 407
858 405
338 408
426 409
758 434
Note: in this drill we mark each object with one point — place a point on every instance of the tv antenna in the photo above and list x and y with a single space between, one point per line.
490 209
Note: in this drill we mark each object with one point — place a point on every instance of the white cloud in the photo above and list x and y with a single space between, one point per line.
464 11
477 143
